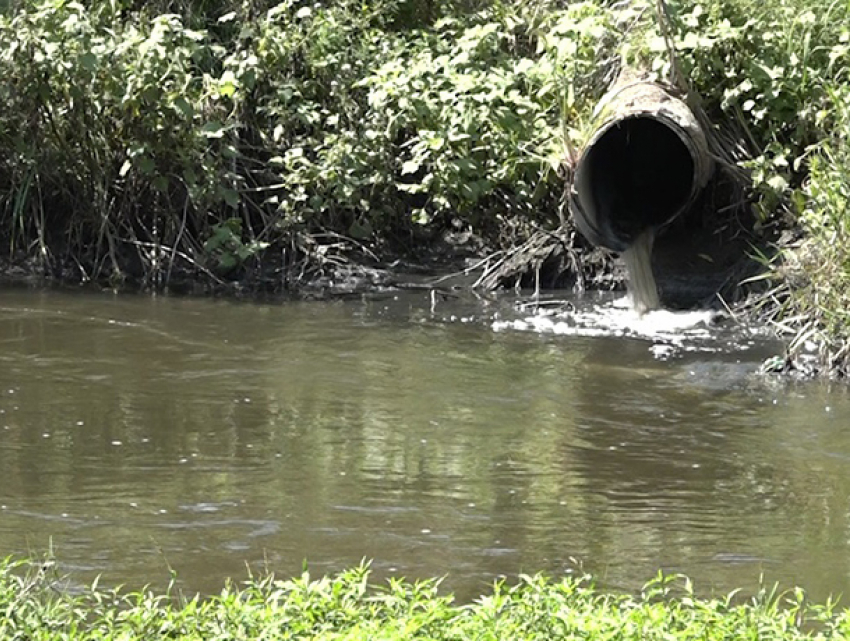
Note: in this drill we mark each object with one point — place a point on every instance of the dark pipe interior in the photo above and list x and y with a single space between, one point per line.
638 174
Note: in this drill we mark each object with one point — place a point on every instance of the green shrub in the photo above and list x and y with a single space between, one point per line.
127 128
111 129
817 270
349 606
766 66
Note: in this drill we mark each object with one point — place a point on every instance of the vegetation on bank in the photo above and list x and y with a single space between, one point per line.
141 137
272 139
348 606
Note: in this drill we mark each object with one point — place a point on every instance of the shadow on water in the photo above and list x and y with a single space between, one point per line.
139 433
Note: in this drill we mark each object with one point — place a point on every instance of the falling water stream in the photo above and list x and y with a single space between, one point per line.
638 260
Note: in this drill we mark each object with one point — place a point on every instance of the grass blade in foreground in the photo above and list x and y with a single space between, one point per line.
349 607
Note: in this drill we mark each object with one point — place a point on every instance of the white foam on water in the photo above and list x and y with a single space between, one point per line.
670 331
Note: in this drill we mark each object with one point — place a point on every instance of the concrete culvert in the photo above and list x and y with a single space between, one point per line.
644 164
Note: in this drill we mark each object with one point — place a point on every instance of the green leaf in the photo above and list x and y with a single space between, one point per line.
227 84
146 165
231 197
360 230
184 107
778 183
213 129
88 61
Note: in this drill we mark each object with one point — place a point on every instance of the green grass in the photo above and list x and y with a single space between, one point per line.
349 606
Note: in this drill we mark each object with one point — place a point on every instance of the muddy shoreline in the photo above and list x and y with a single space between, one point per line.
698 263
697 266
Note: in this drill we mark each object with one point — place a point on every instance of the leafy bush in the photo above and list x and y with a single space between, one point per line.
767 66
476 110
111 129
818 269
371 129
127 128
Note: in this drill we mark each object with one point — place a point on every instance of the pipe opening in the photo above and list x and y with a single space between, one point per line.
638 174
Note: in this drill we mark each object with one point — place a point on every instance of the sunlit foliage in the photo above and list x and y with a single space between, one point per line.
348 606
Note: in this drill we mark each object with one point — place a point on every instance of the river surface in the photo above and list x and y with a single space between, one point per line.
461 438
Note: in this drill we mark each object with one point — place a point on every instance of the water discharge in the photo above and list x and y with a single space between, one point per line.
642 287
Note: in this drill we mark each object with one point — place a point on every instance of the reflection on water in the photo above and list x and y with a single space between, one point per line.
142 433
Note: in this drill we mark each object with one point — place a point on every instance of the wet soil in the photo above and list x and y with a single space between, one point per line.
698 261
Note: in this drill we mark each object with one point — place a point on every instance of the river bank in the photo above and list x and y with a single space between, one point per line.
280 147
349 606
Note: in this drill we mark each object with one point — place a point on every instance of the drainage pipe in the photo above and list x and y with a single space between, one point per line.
644 164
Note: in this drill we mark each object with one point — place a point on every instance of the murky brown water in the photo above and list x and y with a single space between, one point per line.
140 433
